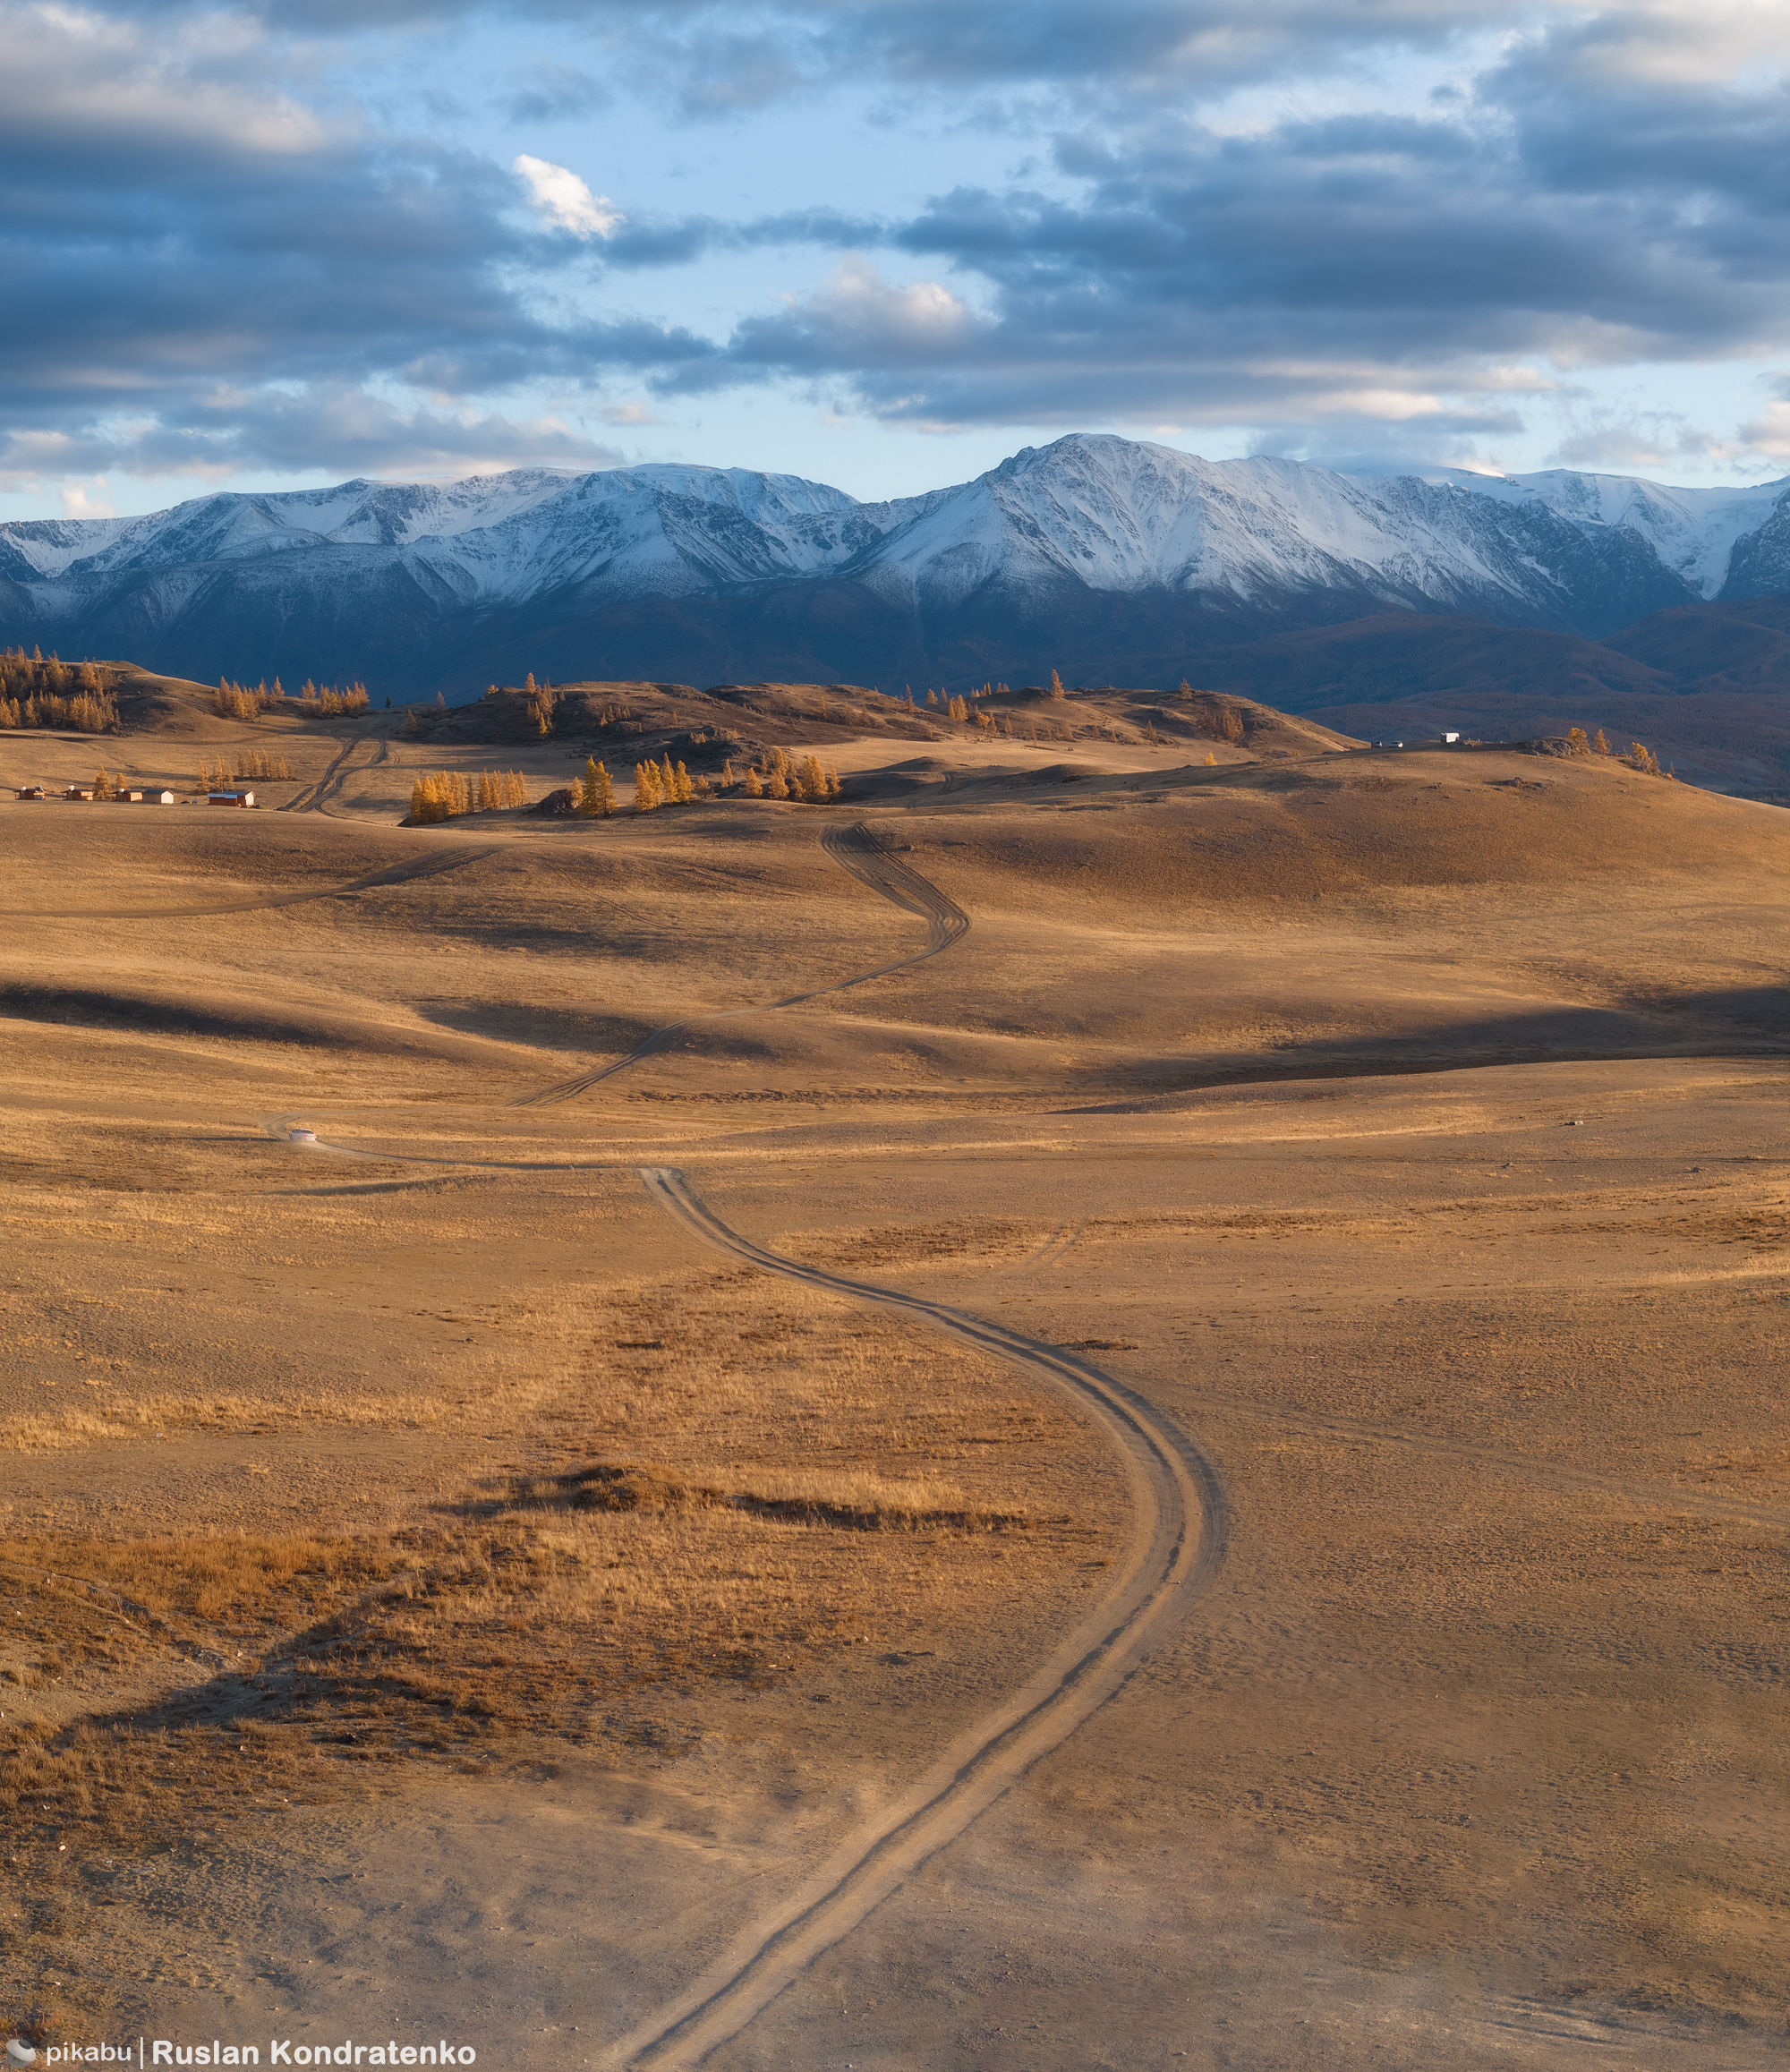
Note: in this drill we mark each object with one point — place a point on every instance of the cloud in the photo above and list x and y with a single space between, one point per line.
107 90
1645 440
1768 434
564 201
342 429
78 501
1350 269
224 279
1334 227
857 319
720 58
630 414
554 93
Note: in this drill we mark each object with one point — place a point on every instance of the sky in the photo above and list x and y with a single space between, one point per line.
883 244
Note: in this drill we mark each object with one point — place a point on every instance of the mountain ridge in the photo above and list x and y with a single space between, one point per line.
1084 553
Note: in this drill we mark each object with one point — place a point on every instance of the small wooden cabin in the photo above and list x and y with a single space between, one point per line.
32 791
230 798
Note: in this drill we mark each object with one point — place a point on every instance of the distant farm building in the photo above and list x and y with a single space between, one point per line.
79 791
230 798
156 797
32 791
129 798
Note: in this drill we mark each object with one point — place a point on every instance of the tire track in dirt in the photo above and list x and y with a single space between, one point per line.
424 866
855 849
1180 1528
1054 1249
1518 1467
311 799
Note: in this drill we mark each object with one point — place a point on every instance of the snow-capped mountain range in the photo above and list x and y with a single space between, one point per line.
700 573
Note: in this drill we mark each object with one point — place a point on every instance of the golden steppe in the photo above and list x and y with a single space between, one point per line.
447 1596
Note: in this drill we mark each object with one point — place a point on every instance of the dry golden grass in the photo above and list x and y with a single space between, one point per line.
120 1416
741 1479
529 1491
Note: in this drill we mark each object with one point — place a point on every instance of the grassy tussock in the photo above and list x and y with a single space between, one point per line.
121 1417
856 1499
221 1579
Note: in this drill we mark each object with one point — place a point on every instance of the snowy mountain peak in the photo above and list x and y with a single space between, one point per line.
1044 536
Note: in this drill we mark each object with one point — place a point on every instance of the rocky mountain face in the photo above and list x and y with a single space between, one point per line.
1106 558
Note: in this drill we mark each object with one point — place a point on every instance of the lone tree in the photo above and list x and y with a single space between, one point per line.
1057 690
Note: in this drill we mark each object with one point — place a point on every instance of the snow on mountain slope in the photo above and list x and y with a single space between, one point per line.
1119 515
1693 531
1116 514
1089 514
507 536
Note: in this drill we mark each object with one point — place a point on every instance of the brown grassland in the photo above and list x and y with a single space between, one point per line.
441 1593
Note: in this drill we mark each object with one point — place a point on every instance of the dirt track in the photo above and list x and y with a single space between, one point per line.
1180 1528
316 796
1486 1669
418 868
857 851
1181 1525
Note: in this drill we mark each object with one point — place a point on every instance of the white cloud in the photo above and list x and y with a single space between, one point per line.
856 304
1770 434
563 200
79 503
80 81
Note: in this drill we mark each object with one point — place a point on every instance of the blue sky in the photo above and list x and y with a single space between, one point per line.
883 244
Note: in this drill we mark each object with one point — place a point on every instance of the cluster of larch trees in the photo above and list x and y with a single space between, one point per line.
781 778
1639 757
255 762
235 701
454 791
36 693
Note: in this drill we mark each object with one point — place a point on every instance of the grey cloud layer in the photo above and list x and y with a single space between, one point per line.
1244 278
714 55
220 275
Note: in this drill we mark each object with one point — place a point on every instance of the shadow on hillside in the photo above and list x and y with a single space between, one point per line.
1729 1021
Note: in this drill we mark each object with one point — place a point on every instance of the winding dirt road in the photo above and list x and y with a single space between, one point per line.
404 874
855 849
314 796
1180 1528
1181 1524
1176 1546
